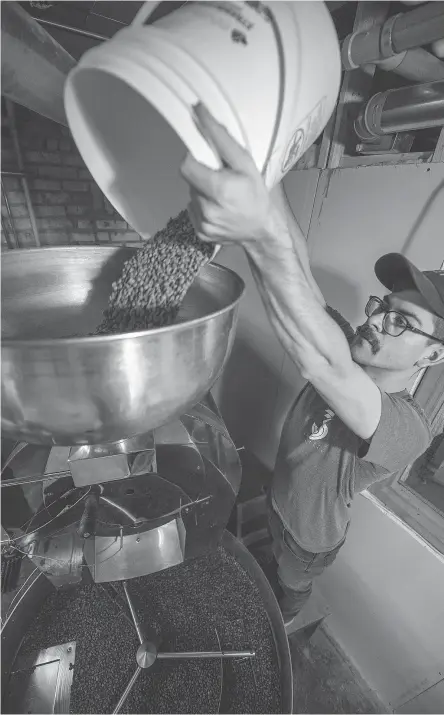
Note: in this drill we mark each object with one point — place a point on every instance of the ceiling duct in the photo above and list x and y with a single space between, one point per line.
400 110
34 65
404 31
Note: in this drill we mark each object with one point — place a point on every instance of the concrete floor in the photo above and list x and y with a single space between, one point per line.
324 680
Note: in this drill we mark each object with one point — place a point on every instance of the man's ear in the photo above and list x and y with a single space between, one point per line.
435 356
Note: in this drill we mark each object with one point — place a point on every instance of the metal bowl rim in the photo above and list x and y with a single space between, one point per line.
175 328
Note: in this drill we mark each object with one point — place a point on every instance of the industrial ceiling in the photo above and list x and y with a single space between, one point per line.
352 137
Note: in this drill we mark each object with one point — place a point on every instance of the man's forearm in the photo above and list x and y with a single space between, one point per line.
298 239
312 339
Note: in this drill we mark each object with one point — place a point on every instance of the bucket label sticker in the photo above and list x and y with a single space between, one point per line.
305 135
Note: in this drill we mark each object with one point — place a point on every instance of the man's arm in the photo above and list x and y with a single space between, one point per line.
299 242
300 245
312 339
233 205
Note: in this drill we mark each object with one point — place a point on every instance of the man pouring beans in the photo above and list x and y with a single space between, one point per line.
354 423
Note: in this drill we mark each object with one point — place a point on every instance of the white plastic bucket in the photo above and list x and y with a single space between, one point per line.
268 71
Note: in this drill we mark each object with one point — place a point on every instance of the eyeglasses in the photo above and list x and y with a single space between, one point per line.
394 323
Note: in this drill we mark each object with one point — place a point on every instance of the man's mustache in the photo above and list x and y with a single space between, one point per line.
367 333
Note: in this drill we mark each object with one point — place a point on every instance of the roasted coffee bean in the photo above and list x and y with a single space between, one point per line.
184 605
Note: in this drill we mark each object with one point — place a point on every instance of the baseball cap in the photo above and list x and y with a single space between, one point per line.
394 270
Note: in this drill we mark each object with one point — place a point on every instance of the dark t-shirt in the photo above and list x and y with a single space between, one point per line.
321 463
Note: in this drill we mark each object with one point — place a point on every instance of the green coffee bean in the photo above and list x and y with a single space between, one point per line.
154 281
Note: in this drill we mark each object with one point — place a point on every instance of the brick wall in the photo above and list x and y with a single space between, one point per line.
69 206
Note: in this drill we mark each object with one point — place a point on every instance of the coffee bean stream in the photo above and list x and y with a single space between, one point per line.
154 281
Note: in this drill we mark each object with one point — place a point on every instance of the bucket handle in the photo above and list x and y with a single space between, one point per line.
145 11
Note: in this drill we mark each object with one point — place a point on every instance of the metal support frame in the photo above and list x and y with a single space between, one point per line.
415 157
11 221
398 143
21 167
13 173
6 235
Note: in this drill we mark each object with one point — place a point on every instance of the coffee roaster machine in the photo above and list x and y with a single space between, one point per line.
116 460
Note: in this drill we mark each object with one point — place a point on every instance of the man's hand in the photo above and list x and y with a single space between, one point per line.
231 205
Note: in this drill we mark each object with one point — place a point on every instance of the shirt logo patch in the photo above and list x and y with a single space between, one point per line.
322 431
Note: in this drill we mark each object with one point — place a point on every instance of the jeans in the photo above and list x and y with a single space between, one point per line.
296 568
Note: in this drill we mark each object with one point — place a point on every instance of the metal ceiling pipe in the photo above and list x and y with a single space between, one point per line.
404 31
34 65
417 65
400 110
